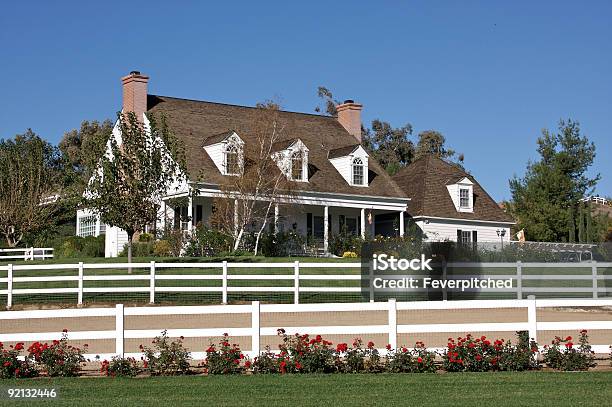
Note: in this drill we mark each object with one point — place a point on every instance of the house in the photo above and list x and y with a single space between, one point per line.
337 184
447 203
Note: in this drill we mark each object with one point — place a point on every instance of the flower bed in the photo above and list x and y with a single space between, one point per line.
305 354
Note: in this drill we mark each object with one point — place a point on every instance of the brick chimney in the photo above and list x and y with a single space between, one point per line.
349 115
135 93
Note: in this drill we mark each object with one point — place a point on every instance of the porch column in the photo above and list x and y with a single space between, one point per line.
97 225
326 228
275 218
235 217
190 212
401 224
363 220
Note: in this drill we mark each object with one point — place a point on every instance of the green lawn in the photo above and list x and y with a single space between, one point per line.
462 389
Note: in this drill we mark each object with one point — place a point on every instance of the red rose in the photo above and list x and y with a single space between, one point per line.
7 364
370 345
569 338
19 346
420 359
297 365
388 346
247 364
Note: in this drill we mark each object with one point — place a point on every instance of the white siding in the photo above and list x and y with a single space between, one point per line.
441 230
215 151
116 239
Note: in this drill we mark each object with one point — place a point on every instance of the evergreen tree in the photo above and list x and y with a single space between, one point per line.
549 194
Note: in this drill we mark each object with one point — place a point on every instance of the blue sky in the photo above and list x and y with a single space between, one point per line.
488 75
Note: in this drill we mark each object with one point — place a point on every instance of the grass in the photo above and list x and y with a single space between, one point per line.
464 389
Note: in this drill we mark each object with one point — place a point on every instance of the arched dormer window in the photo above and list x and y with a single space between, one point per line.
358 173
297 166
232 159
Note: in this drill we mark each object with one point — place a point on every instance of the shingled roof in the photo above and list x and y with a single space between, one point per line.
198 122
425 181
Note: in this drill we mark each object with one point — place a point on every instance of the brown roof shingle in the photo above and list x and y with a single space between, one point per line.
195 122
425 181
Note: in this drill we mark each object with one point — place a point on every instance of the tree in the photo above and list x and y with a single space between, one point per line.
328 100
82 149
137 169
433 142
30 170
247 201
547 198
390 146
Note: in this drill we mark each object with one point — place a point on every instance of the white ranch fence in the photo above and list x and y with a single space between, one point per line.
254 330
26 253
597 277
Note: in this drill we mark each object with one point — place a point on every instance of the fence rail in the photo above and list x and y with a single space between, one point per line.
597 277
255 331
26 253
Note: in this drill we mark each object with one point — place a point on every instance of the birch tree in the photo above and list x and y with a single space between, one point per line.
247 201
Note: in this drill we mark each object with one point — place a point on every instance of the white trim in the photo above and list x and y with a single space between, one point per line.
424 217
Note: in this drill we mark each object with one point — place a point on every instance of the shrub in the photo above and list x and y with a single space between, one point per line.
345 242
76 246
480 355
120 367
265 363
349 255
166 357
517 358
59 358
162 248
145 237
207 242
299 353
11 367
417 360
358 359
139 249
227 359
280 244
563 355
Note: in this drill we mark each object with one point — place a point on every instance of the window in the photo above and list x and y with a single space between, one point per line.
232 159
297 166
358 171
464 198
87 226
466 236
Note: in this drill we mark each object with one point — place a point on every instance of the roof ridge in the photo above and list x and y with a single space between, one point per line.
241 106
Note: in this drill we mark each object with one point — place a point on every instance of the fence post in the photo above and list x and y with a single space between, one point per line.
152 283
594 272
255 329
224 283
9 287
392 323
532 320
519 280
80 295
370 282
32 253
119 330
296 282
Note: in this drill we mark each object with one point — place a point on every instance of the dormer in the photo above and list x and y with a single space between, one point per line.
462 194
291 156
227 152
352 163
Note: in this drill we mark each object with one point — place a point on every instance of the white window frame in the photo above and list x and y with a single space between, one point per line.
303 165
464 199
464 234
354 166
236 150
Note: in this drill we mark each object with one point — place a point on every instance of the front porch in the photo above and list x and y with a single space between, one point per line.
316 219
